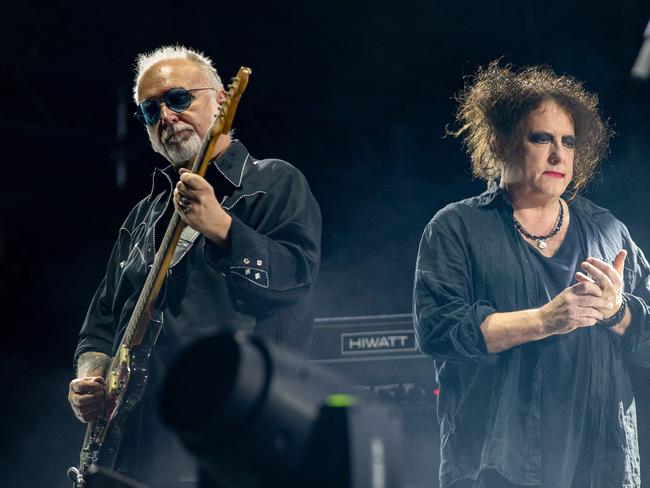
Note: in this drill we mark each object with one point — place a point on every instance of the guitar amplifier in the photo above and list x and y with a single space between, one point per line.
378 353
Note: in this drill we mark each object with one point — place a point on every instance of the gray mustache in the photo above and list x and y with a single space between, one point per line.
170 132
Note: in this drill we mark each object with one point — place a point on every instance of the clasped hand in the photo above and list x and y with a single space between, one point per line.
597 295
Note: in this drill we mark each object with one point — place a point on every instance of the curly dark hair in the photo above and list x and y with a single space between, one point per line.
494 106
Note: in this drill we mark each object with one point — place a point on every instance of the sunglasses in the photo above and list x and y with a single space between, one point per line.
176 99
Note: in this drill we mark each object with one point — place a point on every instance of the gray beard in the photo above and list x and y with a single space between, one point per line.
178 152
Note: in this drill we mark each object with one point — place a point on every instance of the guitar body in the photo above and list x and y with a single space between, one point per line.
132 379
125 387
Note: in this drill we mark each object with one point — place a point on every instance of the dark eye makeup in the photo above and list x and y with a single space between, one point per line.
540 137
569 141
545 138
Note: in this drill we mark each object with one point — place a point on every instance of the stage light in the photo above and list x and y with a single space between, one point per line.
256 415
641 68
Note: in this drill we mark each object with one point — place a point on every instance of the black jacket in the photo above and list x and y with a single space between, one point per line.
263 281
472 263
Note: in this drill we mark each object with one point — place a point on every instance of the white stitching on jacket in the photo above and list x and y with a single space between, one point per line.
153 227
242 196
266 275
153 234
135 244
241 176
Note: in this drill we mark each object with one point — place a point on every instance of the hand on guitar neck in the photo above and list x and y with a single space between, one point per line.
86 392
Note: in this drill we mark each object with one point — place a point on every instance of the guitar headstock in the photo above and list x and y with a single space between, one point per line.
229 106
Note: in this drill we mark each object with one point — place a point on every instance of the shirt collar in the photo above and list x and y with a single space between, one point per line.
494 193
232 163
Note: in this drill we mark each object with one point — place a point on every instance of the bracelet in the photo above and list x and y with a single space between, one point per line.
616 318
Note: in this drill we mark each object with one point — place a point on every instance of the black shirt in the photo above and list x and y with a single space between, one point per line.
472 263
262 281
566 430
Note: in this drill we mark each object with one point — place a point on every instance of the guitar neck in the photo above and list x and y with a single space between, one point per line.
142 312
153 284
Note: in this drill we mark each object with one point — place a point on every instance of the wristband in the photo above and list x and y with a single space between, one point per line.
616 318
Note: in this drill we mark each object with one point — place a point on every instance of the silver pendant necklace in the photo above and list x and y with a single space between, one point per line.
541 240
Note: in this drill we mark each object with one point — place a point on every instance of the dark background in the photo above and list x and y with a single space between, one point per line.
355 93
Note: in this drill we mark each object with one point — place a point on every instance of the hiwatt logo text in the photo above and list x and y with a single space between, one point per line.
384 341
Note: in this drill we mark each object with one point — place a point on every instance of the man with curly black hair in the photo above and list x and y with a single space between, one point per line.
531 298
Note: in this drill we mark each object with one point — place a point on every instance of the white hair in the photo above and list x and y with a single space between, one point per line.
144 61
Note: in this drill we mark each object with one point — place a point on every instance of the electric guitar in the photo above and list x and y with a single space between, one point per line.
127 374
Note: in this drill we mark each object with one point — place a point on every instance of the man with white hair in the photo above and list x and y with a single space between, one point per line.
247 259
